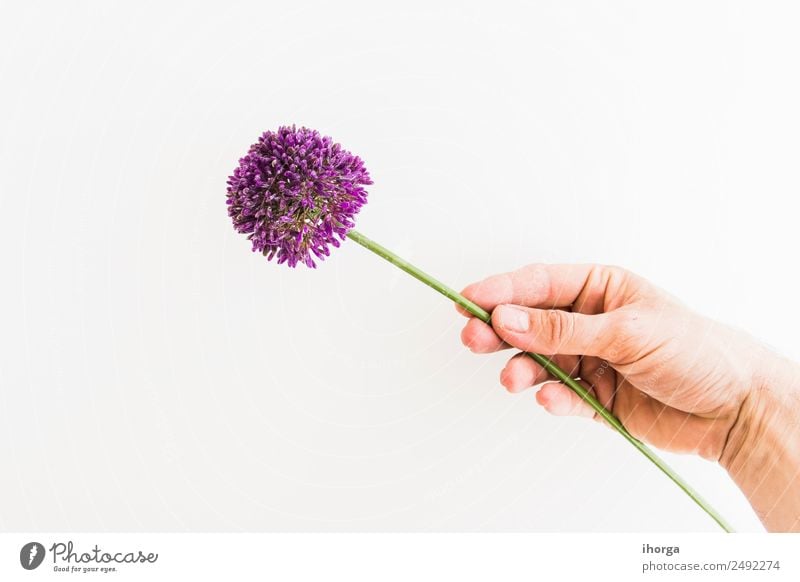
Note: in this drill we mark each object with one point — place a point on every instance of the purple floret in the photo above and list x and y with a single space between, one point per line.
295 194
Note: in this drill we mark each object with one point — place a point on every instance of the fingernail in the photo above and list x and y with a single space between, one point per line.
513 319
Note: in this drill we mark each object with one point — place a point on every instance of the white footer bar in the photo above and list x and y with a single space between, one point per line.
391 556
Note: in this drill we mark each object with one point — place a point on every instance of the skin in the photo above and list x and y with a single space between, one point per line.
676 380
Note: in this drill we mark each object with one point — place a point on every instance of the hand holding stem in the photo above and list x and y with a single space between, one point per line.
673 378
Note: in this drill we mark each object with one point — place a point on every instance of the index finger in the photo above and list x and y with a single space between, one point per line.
541 286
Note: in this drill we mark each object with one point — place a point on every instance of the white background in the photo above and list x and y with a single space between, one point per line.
157 375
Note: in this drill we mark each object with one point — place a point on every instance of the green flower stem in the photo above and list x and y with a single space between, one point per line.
548 365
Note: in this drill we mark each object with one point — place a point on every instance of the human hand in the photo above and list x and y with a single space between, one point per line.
674 378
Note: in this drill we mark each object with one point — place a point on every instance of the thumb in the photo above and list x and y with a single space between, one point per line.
552 331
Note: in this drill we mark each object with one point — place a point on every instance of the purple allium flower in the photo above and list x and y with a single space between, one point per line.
294 193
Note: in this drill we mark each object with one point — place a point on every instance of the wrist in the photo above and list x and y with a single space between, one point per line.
762 451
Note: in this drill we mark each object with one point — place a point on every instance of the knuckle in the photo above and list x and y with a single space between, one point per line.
617 273
626 279
558 327
617 270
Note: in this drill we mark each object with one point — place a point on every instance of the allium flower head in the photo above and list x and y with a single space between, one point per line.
295 193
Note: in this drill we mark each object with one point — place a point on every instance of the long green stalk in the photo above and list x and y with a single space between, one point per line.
548 365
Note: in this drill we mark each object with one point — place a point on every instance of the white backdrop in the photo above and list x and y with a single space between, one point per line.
157 375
